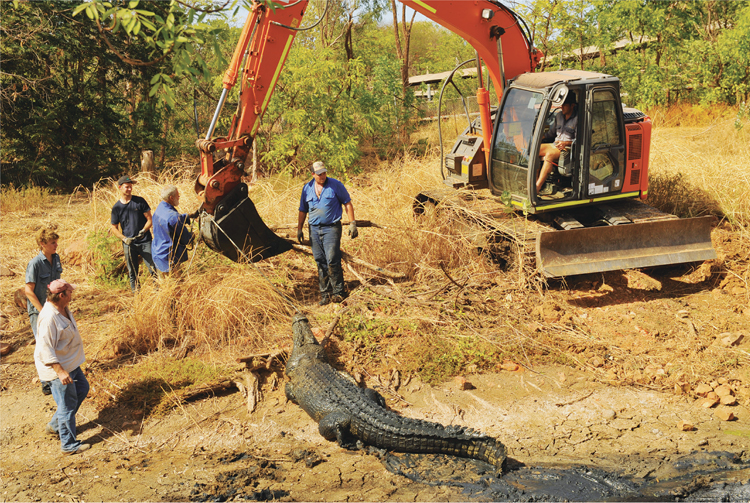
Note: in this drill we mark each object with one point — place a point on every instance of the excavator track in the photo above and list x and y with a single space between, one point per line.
621 235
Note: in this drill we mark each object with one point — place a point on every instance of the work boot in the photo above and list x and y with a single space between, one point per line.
324 300
82 448
337 299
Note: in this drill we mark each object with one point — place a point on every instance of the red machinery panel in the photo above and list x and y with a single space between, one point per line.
638 144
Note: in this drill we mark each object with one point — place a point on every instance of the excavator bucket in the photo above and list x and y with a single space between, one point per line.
236 230
627 246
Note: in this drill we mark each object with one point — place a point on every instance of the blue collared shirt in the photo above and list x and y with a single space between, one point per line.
326 209
171 236
41 272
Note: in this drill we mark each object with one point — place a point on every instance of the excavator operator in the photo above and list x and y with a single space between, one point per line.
564 132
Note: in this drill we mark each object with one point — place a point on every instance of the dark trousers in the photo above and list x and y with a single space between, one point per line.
326 248
132 252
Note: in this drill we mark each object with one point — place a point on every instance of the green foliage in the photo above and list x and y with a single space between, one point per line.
166 30
678 51
439 358
109 270
72 113
324 108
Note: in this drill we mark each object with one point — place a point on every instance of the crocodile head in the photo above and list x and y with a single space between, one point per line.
301 332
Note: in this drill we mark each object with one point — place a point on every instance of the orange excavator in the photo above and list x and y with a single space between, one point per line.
588 215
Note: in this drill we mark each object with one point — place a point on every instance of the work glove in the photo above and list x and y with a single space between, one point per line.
353 233
127 241
194 215
142 233
300 236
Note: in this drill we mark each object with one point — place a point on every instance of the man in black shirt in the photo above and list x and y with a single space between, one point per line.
133 214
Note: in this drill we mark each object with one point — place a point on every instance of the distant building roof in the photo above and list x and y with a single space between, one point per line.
434 78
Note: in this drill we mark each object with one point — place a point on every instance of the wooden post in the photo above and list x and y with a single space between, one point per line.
147 161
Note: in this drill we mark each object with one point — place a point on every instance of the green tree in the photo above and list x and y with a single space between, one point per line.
65 103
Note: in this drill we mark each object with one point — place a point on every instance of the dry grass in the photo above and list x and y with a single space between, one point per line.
23 199
701 170
455 310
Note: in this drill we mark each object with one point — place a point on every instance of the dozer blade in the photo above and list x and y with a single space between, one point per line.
236 223
628 246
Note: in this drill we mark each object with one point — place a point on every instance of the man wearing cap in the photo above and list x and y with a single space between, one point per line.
322 198
58 357
133 215
564 132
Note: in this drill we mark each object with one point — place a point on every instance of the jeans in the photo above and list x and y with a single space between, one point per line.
326 248
33 319
68 398
132 252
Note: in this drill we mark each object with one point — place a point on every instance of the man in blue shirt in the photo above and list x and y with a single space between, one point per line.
133 215
322 198
171 232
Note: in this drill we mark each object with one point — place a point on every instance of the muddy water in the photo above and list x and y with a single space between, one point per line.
715 476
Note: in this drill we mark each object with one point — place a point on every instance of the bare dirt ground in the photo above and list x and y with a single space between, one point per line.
619 406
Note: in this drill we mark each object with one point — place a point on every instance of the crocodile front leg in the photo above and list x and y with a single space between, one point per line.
335 426
375 397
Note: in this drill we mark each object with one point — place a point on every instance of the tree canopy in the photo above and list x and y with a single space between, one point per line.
85 86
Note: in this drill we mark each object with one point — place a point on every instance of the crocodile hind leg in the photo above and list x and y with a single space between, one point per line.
335 426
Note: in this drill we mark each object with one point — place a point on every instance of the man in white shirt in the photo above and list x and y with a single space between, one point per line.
58 357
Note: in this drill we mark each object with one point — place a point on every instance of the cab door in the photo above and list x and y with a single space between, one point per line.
605 138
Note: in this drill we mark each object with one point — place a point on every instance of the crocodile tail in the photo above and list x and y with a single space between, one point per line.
488 450
483 448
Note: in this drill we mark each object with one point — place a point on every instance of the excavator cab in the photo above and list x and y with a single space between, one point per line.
594 165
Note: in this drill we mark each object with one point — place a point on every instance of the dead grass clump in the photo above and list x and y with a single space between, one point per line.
218 308
672 193
701 171
24 198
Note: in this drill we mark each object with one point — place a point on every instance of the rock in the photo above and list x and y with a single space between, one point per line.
76 253
4 271
709 402
685 426
596 362
463 384
712 396
509 366
723 390
728 400
19 298
724 414
703 389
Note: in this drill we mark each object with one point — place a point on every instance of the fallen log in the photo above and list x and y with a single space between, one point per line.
360 223
349 258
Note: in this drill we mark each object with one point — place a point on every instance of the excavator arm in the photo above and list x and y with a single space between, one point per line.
231 224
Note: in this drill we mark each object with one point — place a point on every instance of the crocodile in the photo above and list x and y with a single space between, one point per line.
347 413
